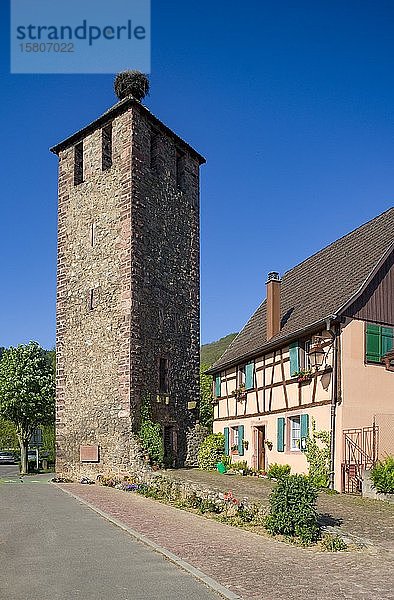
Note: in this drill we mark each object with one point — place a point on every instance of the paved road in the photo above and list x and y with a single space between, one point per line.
8 471
255 567
54 548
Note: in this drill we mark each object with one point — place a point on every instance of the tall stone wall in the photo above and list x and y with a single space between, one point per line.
164 275
130 234
93 346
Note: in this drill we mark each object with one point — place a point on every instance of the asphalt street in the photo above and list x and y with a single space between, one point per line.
8 471
52 547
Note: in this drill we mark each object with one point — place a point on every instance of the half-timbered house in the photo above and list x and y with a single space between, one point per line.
316 353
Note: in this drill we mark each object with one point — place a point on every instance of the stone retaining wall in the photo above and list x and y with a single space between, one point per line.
195 436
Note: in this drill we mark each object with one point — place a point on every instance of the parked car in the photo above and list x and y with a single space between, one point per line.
42 458
7 458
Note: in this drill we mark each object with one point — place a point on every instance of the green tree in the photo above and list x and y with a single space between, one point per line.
48 441
27 392
206 406
51 358
210 353
8 437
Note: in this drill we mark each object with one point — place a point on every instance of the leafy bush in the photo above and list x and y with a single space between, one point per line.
383 476
152 441
293 509
318 456
226 460
276 471
333 543
61 479
211 451
241 465
150 435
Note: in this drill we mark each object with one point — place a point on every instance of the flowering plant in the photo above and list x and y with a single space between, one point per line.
240 393
303 375
230 499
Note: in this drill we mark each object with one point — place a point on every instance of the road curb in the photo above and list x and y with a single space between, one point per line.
197 574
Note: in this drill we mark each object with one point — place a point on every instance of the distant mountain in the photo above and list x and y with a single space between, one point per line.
210 353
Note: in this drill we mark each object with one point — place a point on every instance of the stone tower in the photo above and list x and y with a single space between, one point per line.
128 288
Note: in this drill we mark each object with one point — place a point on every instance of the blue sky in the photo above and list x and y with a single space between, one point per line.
292 105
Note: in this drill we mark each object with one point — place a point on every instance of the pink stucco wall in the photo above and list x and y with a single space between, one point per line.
367 389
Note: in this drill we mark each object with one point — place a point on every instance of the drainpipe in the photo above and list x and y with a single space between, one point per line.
334 395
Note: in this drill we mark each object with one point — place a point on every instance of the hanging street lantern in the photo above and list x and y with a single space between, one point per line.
316 356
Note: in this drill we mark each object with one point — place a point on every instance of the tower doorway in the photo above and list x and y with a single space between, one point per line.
170 442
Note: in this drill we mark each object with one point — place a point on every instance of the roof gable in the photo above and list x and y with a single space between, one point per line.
318 287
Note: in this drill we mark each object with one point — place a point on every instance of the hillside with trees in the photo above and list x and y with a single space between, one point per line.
210 353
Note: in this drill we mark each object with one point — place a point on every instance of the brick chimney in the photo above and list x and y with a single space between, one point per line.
273 304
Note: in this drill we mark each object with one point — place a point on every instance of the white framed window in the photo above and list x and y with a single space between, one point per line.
235 436
307 360
295 433
241 375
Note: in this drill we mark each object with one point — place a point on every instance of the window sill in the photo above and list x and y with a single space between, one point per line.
372 363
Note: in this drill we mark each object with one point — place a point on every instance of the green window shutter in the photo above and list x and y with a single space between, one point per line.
304 431
387 339
240 440
218 386
281 435
373 343
226 441
294 358
249 376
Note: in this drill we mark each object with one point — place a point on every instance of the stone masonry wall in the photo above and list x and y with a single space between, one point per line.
143 268
93 378
195 437
164 275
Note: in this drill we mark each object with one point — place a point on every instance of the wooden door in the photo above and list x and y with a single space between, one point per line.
261 448
170 439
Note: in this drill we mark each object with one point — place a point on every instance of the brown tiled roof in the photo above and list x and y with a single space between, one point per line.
318 287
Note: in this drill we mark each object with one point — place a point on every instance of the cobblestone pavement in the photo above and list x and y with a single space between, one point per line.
370 521
252 566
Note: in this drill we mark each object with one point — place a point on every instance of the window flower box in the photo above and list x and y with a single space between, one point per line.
240 393
303 376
